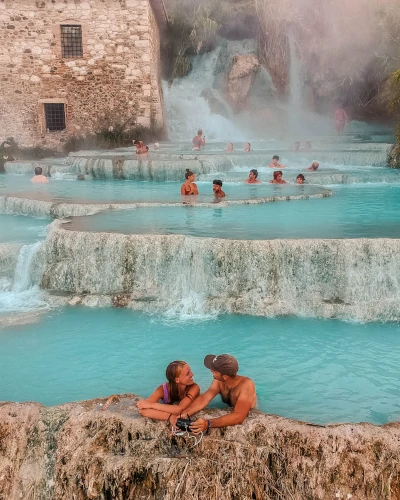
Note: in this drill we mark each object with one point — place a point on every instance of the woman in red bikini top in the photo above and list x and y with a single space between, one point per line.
189 187
175 395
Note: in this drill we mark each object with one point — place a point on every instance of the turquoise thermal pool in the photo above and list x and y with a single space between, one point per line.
18 229
316 370
356 211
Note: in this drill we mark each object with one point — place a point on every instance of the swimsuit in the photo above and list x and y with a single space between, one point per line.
165 399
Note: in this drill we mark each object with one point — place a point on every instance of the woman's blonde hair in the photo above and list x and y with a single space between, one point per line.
172 372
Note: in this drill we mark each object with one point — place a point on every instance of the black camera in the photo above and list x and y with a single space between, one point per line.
184 424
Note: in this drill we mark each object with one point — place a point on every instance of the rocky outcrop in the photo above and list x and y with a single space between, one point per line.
241 78
394 156
76 451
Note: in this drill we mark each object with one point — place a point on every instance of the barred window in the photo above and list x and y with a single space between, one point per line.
55 117
71 40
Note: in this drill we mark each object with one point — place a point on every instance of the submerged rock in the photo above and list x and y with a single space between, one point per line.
77 451
241 78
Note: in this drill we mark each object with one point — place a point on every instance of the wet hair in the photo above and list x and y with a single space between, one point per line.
275 157
199 132
38 171
276 173
301 176
217 182
172 372
188 174
255 172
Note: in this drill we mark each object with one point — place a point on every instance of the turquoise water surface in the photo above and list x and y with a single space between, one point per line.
18 229
355 211
315 370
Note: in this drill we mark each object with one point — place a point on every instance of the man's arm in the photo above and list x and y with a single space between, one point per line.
239 414
200 402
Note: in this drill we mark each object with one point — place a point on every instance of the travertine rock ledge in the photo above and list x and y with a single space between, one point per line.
76 451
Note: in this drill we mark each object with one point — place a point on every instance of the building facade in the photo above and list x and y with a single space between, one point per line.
71 67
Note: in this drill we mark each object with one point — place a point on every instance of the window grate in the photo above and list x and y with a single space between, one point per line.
71 40
55 117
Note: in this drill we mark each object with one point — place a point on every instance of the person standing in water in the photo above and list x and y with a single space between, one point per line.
175 395
39 177
229 148
198 141
247 147
236 391
217 188
277 178
275 163
341 119
252 179
189 187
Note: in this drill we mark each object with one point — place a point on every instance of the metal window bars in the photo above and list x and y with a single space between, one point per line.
71 40
55 117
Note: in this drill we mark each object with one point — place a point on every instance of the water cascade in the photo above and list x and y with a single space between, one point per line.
351 279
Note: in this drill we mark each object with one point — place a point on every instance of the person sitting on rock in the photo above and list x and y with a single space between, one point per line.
277 178
252 179
229 147
247 147
237 391
39 178
300 179
275 163
217 188
189 187
176 395
313 167
198 141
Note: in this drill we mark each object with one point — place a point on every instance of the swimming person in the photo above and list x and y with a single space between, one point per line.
39 178
141 148
313 167
308 146
198 141
247 147
275 163
237 391
229 147
176 395
300 179
252 179
217 188
189 187
277 178
296 146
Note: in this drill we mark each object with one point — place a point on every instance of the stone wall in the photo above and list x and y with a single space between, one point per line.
117 77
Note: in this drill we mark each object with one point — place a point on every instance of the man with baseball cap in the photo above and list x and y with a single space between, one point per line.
236 391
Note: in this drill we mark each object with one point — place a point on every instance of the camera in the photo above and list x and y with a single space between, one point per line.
184 424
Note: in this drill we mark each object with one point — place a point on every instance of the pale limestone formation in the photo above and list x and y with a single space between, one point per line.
117 77
77 451
241 77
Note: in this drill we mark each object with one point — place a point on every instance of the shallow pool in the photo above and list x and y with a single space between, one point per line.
357 211
320 371
123 191
18 229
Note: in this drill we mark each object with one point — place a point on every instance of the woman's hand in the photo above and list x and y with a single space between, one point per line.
144 405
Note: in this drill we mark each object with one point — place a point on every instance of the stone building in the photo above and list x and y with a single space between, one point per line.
71 67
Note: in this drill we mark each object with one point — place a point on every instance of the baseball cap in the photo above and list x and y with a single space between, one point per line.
223 363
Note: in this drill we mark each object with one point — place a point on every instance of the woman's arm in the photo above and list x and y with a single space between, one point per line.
193 188
183 190
192 394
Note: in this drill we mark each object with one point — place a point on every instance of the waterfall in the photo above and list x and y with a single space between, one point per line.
22 293
296 111
349 279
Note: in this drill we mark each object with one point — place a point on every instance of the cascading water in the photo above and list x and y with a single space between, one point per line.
22 294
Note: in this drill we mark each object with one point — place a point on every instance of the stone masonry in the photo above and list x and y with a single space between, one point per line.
115 78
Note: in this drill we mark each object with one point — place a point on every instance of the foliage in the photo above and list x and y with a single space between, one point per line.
113 136
193 28
10 150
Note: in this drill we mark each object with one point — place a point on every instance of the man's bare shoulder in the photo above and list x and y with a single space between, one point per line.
247 384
